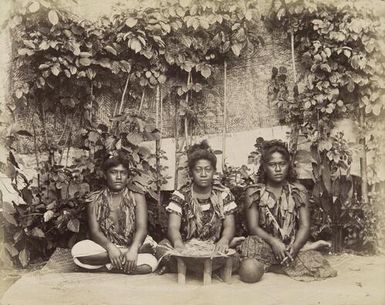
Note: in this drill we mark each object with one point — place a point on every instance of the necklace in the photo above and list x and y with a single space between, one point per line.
111 195
116 193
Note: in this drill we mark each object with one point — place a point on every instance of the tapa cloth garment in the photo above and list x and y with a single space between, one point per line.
88 247
279 216
307 266
122 234
202 218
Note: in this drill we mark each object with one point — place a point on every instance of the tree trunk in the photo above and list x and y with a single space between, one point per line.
224 131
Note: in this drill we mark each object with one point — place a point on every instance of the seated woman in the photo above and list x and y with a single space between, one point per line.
277 212
117 220
201 210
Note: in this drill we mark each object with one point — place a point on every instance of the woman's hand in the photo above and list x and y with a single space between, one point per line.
179 246
279 249
115 256
129 260
293 250
221 246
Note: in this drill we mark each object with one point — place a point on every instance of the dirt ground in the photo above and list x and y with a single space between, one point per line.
360 281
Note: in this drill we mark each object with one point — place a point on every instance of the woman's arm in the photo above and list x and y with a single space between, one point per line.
227 233
303 230
173 232
252 218
141 221
97 236
140 234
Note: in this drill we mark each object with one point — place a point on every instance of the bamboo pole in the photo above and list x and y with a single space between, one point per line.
157 146
176 127
295 133
224 131
92 100
157 108
35 143
141 101
123 95
363 162
293 56
161 112
185 117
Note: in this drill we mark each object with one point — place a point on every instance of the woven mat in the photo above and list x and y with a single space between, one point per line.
61 261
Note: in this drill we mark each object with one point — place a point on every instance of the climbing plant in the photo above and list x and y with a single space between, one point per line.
341 51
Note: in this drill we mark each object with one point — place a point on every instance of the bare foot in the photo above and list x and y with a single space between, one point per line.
319 244
236 241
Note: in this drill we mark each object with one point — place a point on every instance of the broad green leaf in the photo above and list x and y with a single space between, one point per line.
159 41
376 109
85 61
350 86
135 45
15 21
307 105
206 71
44 45
24 51
111 50
73 70
93 136
347 53
53 17
180 12
248 15
204 23
67 73
73 225
11 249
328 52
104 62
166 27
153 81
34 7
195 23
24 133
18 236
19 93
37 232
236 48
240 35
162 79
90 73
48 215
55 70
24 257
131 22
85 54
184 3
197 87
134 138
10 219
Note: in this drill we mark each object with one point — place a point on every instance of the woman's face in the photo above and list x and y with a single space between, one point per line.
276 168
117 178
202 173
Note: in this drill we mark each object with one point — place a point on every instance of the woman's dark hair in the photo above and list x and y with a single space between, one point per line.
115 161
270 147
201 151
